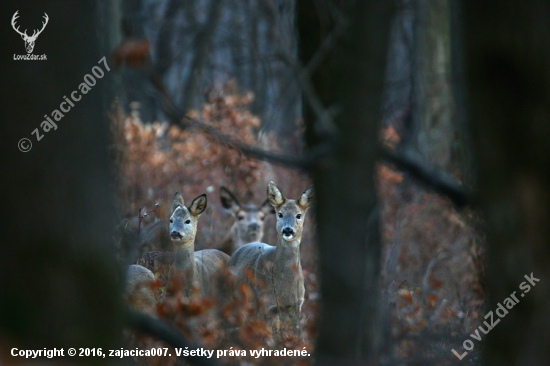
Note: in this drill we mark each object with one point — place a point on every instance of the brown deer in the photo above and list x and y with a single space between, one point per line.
202 268
249 221
275 272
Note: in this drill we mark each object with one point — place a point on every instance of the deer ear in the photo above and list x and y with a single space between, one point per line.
228 200
198 205
177 201
274 195
306 198
267 208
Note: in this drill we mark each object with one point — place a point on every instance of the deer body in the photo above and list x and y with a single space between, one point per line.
276 271
202 268
139 292
249 221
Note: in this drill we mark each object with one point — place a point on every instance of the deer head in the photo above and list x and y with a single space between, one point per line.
249 219
29 40
183 222
290 213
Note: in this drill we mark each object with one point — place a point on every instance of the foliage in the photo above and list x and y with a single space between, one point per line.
159 159
432 269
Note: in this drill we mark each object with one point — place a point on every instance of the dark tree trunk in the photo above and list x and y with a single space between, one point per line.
165 52
59 284
201 47
507 62
351 78
137 85
432 104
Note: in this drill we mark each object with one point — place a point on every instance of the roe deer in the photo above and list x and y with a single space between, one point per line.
275 273
249 221
139 292
192 268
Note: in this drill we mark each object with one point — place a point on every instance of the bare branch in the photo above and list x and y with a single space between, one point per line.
177 117
301 162
328 43
324 123
430 177
147 324
407 161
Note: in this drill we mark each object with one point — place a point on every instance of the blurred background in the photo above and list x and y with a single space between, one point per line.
423 125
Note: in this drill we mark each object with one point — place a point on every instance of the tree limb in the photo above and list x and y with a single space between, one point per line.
408 161
147 324
430 177
177 117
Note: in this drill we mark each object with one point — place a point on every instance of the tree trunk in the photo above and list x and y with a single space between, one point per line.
507 62
59 283
201 46
352 78
432 104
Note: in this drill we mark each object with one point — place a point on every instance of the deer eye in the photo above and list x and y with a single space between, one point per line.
240 217
299 216
188 221
280 215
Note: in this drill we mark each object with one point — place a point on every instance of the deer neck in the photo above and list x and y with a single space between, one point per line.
184 257
287 254
237 241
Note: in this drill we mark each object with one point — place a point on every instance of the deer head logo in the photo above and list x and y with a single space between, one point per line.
29 40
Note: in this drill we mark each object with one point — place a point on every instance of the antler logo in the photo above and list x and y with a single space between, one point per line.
29 40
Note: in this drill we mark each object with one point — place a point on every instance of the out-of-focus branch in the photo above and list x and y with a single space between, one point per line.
407 160
147 324
177 117
324 124
430 177
301 162
328 43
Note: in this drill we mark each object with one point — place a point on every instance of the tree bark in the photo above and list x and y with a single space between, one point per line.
59 281
136 82
507 63
352 77
165 52
201 46
432 104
